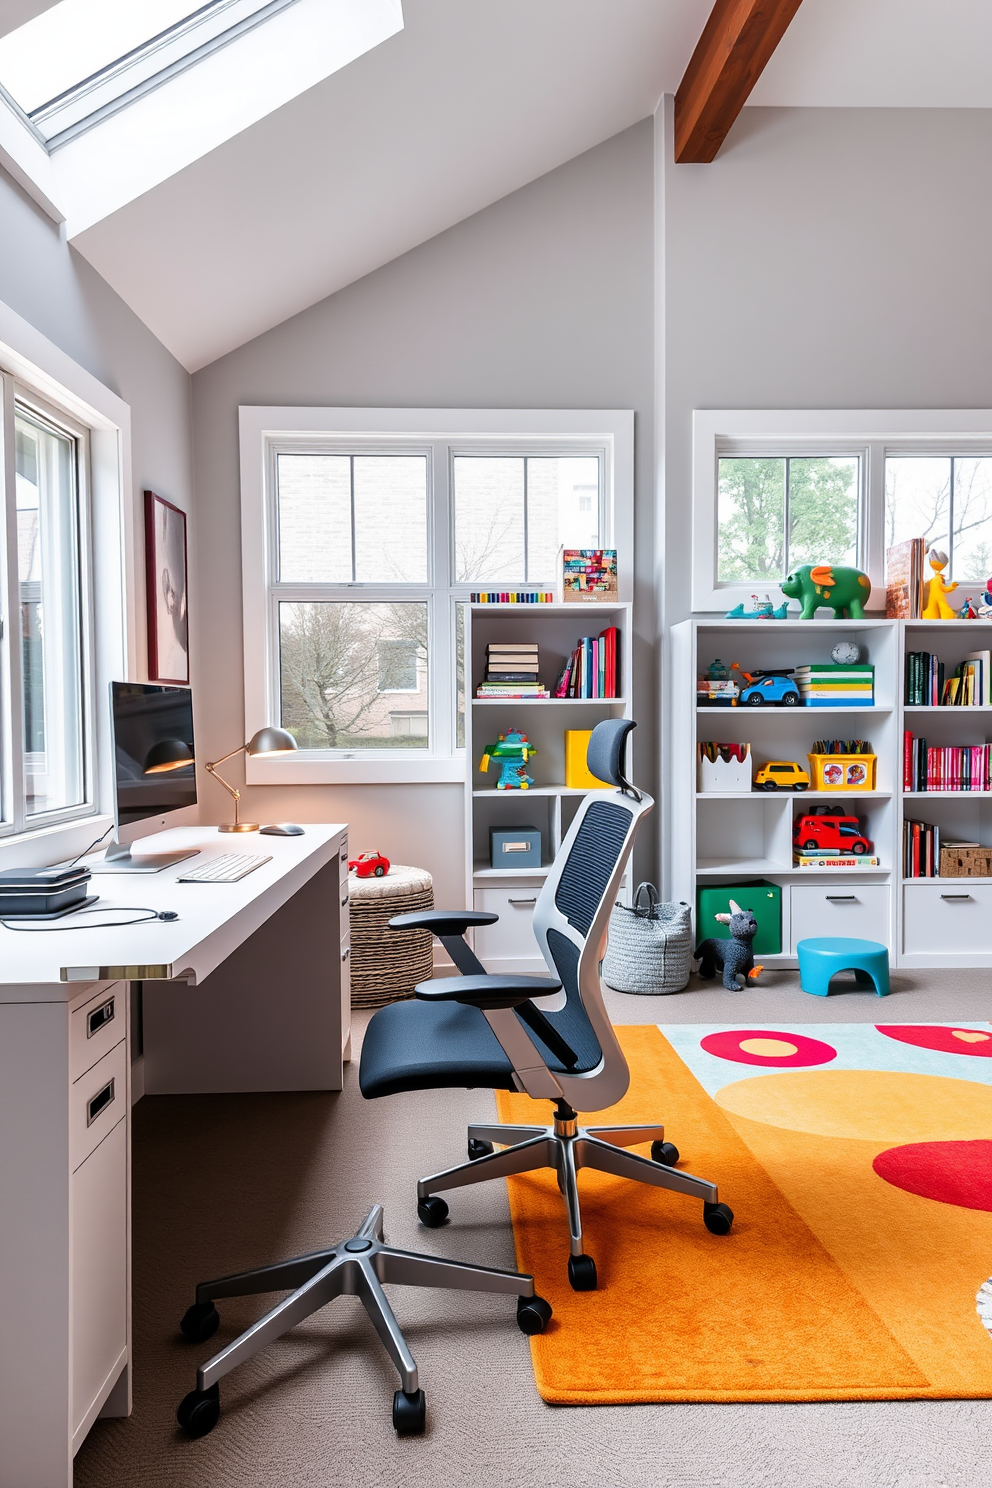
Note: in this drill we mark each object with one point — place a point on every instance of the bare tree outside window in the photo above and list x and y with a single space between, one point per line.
947 501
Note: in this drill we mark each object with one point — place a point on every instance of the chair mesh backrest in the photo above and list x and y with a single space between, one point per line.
594 855
571 1021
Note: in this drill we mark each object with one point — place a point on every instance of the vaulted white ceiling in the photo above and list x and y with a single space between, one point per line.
471 101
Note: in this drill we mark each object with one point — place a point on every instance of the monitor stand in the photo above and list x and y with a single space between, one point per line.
119 859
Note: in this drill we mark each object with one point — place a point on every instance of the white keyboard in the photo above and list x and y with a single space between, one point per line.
226 869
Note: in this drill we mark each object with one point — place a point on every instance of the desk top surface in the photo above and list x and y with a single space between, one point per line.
214 918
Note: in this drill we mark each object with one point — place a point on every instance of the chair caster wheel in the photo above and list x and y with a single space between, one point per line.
582 1273
533 1315
199 1411
200 1322
718 1218
432 1212
409 1413
478 1149
665 1152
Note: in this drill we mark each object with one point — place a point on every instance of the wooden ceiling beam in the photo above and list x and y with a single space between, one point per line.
730 56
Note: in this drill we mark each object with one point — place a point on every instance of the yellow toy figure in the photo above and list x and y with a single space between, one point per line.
937 607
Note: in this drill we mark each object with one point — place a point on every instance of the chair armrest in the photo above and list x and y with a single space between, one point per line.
442 921
486 991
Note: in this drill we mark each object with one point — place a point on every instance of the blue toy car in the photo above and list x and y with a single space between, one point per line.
770 688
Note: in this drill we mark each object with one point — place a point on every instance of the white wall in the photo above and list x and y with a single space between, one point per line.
57 291
542 300
828 258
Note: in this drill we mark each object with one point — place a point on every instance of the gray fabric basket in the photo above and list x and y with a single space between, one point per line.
649 947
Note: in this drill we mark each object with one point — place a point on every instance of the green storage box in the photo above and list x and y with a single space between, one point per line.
762 898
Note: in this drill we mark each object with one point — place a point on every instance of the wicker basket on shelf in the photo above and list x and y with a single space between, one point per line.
387 964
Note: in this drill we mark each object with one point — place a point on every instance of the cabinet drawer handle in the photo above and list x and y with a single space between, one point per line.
955 896
100 1017
842 898
99 1102
523 901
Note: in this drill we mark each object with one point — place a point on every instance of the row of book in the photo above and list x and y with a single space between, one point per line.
512 669
925 767
928 687
833 860
513 596
920 849
842 686
592 670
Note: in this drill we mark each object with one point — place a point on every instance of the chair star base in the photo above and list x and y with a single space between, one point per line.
356 1267
565 1147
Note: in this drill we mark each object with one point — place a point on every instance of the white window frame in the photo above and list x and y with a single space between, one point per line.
871 434
441 434
39 375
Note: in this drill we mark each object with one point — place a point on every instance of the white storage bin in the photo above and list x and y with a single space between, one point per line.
725 775
860 911
949 919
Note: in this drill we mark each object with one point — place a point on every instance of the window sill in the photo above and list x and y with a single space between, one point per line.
42 846
301 769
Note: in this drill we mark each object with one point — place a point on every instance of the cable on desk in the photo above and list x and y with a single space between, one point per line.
145 915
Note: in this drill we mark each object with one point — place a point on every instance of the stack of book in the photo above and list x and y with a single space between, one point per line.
969 687
920 849
512 672
592 669
829 686
966 767
833 858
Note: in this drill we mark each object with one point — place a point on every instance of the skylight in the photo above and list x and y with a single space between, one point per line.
81 59
100 100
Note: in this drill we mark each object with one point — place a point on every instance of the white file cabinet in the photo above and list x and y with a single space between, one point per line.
509 946
850 909
947 920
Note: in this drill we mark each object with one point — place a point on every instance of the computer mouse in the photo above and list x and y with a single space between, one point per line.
281 829
167 914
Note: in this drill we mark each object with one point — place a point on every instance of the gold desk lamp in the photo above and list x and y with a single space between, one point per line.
266 741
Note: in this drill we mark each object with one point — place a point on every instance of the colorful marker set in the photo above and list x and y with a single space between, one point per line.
513 596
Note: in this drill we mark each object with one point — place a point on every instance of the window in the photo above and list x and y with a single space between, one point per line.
775 490
364 538
45 721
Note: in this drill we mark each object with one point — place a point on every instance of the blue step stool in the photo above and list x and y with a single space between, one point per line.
824 956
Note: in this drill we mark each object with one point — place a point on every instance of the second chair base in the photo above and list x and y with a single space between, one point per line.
565 1147
354 1267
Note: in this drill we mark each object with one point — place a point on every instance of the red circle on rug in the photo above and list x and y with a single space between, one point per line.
947 1039
950 1172
774 1050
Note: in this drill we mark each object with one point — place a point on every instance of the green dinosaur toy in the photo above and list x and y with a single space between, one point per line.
845 590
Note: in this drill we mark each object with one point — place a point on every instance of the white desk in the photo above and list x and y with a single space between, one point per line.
247 990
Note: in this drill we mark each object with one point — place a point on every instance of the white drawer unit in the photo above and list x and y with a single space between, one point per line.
946 920
97 1101
99 1274
95 1028
851 909
509 945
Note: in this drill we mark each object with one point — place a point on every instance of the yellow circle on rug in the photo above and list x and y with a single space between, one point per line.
970 1035
771 1048
872 1105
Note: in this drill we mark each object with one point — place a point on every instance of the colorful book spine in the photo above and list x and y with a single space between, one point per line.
512 596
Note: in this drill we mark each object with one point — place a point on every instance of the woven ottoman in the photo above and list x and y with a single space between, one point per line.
387 964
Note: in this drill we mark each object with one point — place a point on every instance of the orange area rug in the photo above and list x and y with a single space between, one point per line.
836 1283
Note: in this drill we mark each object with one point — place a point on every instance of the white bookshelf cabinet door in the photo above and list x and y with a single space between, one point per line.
947 919
99 1273
509 945
846 909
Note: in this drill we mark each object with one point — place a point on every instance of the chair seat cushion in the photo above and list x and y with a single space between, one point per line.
431 1046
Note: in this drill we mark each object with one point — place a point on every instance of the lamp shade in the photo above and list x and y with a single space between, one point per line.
167 754
271 741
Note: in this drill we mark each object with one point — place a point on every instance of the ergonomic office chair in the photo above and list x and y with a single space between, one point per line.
481 1030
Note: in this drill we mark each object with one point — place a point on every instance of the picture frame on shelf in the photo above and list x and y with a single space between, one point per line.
166 591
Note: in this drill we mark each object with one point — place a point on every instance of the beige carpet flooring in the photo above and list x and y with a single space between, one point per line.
224 1182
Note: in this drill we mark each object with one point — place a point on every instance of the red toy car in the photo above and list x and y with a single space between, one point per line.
831 831
369 865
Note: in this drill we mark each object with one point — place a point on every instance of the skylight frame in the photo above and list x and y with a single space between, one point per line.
162 57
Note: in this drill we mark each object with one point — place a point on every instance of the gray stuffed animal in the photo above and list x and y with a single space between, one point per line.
735 957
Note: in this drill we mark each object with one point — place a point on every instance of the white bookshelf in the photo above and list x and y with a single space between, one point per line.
550 805
722 837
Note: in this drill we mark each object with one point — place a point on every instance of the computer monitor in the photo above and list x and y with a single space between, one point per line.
154 775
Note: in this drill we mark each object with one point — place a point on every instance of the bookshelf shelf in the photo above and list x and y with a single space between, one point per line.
749 835
550 805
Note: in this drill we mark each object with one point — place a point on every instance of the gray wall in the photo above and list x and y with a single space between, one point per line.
828 258
47 282
542 300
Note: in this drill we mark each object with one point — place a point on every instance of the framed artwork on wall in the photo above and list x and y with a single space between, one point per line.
166 590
